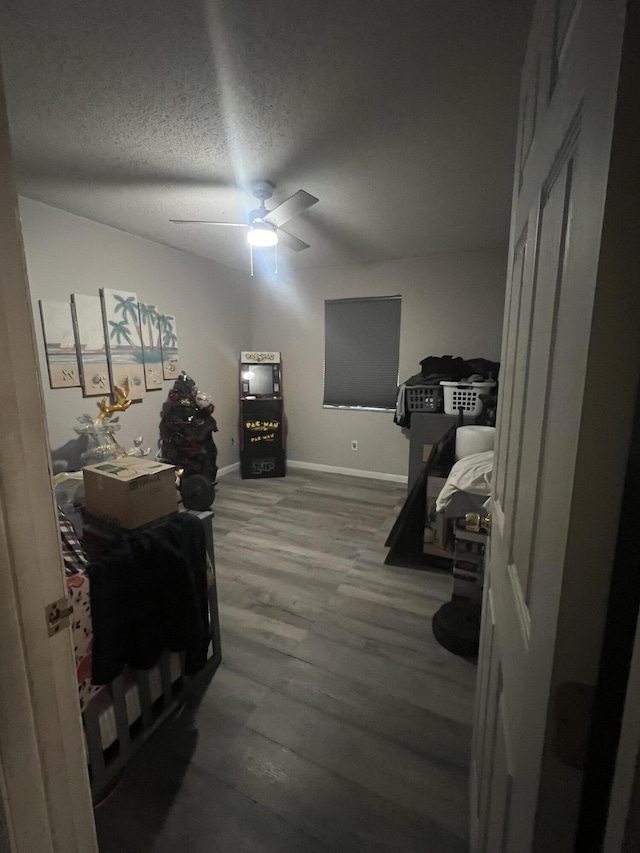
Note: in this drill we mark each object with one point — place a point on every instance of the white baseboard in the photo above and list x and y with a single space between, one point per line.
350 472
228 469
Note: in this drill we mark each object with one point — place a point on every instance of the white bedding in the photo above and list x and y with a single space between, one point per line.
471 474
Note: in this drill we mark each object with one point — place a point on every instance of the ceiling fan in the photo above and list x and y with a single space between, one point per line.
265 226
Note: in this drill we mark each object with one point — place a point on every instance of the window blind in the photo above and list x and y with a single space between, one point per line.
361 352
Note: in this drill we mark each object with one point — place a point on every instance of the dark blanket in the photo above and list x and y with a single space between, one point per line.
149 593
405 540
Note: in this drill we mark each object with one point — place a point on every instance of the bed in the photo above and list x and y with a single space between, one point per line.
118 717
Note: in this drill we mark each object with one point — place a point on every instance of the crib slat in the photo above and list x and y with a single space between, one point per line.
144 690
90 717
121 714
165 678
214 623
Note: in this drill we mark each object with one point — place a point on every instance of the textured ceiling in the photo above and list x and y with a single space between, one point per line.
399 116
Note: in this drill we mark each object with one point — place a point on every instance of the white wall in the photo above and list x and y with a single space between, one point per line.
66 254
451 304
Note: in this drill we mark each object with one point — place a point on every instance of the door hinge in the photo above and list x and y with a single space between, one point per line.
58 615
572 715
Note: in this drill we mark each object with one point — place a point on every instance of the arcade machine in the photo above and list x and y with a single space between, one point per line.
262 438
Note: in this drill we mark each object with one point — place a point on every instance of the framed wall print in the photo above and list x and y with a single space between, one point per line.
59 344
91 346
169 339
151 346
124 340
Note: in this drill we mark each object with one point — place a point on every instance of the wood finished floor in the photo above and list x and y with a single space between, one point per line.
335 722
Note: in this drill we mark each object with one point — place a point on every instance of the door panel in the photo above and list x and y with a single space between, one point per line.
513 313
529 450
507 494
565 15
523 797
501 789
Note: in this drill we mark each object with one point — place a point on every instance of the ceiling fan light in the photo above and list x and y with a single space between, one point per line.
262 235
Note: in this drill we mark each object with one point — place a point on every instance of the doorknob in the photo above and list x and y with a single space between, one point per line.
474 522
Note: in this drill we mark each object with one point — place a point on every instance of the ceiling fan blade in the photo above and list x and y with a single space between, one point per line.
294 205
290 241
207 222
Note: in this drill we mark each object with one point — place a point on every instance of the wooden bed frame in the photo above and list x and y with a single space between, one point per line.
106 764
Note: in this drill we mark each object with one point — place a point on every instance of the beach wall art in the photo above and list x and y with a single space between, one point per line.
90 344
60 344
169 340
99 342
124 340
151 346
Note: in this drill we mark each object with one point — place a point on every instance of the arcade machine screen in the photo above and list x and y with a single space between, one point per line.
260 380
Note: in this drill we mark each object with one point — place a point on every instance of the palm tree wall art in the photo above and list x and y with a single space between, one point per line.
151 346
169 341
98 342
124 340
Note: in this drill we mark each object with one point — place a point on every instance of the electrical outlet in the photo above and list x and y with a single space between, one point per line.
354 445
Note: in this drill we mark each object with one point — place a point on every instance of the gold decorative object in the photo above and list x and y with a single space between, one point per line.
121 404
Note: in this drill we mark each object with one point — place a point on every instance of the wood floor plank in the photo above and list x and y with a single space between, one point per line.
278 584
313 567
430 735
335 722
231 694
270 604
263 629
369 567
381 614
187 807
385 584
253 660
419 605
427 690
334 810
426 655
434 790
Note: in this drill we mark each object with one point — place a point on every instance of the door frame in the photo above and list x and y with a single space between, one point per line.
44 781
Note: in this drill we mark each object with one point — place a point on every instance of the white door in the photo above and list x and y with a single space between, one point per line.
43 773
568 380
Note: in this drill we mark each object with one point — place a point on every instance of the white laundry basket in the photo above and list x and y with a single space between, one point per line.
458 396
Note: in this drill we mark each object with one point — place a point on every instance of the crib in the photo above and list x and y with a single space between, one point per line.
120 716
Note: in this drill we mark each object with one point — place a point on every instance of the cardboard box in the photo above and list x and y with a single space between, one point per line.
130 491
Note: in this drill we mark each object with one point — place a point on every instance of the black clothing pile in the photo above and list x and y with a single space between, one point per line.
446 368
148 594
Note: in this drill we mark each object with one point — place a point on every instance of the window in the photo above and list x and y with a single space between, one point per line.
361 347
